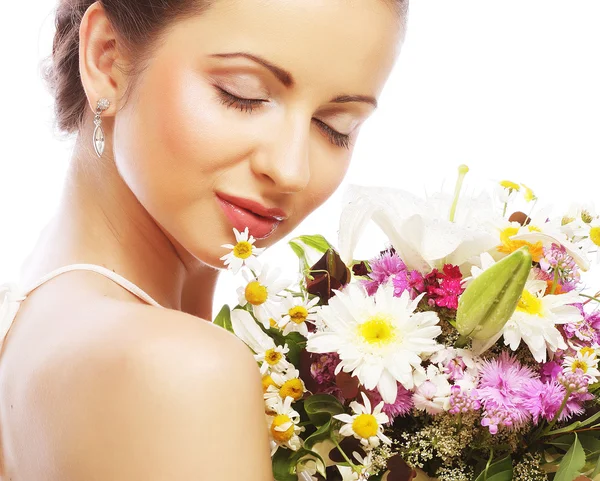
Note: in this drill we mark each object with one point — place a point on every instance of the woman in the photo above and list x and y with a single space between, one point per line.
192 117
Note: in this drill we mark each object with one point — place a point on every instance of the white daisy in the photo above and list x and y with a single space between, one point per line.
591 242
263 293
243 252
534 321
283 426
506 191
379 339
586 360
366 424
287 384
298 311
270 356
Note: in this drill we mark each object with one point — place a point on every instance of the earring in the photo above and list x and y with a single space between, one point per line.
99 138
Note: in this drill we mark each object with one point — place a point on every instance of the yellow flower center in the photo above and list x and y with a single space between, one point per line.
273 357
567 220
293 388
256 294
243 250
282 436
595 235
298 314
587 350
530 304
586 217
579 364
507 184
533 228
377 330
509 245
272 322
365 425
266 382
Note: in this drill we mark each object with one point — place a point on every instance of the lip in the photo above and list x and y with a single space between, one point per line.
254 207
242 213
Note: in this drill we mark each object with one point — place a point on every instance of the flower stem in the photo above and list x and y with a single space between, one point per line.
504 211
352 465
590 298
554 282
557 415
462 172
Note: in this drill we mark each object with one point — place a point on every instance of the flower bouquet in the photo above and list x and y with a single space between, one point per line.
467 349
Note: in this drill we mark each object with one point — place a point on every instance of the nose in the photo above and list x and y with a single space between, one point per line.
284 159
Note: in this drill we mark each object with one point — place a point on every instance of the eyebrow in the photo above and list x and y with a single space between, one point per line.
287 79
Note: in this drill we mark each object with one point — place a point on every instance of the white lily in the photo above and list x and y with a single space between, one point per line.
419 229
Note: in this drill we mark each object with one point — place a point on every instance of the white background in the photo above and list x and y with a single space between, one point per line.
511 88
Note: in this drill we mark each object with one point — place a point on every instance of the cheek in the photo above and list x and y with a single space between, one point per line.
326 176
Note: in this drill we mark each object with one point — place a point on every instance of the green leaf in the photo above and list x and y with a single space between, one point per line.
283 465
500 470
597 469
575 425
317 242
223 318
572 463
321 407
321 434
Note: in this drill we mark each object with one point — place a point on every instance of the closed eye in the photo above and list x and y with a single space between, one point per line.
249 105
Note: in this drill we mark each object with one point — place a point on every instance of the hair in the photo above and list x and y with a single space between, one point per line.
137 24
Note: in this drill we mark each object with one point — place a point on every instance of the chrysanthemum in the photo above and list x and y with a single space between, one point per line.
366 424
263 292
297 311
586 360
287 384
380 339
535 319
244 252
283 426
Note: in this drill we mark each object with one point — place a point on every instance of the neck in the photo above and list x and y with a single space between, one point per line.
100 221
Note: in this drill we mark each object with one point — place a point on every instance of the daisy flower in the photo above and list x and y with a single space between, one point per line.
283 426
262 292
535 319
592 241
433 395
380 339
243 252
270 356
366 424
287 384
586 361
298 311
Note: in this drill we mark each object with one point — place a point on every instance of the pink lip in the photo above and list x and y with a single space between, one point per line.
242 213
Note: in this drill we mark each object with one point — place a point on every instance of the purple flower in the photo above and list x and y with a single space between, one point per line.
576 382
503 390
386 266
588 330
545 399
462 402
556 261
550 370
402 405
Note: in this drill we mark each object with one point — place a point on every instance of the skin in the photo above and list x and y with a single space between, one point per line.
78 385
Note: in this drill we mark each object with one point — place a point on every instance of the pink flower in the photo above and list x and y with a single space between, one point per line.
503 390
401 407
386 266
444 288
544 400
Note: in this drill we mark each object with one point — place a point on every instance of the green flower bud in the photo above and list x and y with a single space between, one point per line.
490 299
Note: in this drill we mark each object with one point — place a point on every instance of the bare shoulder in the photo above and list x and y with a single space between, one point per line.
183 400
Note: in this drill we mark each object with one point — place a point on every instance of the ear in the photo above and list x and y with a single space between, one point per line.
99 59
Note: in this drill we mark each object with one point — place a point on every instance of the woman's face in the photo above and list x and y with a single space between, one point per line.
202 162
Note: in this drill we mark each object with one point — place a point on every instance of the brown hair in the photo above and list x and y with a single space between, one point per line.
139 25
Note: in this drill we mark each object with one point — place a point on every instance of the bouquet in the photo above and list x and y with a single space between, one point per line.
467 349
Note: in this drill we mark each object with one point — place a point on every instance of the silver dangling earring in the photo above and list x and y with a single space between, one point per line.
99 138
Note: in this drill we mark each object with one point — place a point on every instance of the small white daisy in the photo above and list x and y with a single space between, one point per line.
244 252
263 292
270 356
366 424
298 311
283 426
586 360
285 385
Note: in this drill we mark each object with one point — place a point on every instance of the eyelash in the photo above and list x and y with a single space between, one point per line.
248 105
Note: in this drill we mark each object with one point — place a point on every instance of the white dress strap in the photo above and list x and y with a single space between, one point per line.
128 285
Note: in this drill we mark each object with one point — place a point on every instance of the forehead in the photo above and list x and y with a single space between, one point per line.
338 44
